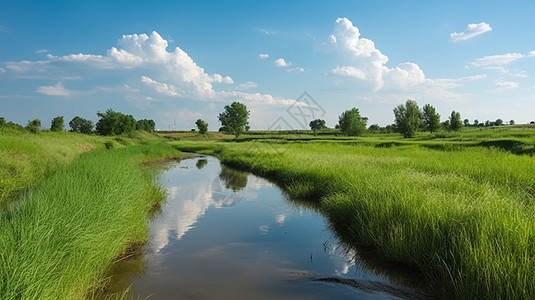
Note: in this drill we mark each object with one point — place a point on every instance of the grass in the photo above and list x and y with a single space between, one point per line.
61 235
463 214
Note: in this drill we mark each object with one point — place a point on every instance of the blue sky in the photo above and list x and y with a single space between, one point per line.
177 61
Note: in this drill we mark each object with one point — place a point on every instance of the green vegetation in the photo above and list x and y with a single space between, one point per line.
81 125
317 124
460 212
351 123
407 118
34 126
57 124
234 120
65 214
202 126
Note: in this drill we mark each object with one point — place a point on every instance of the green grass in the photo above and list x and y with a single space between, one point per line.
463 214
66 231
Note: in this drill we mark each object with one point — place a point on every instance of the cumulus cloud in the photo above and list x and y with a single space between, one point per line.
472 30
281 63
54 90
368 64
162 88
263 55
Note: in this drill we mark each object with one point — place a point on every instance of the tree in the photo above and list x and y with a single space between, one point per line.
430 118
202 125
455 121
115 123
317 124
351 123
235 118
145 125
374 128
446 125
34 126
498 122
407 118
476 123
81 125
57 124
466 123
2 122
512 122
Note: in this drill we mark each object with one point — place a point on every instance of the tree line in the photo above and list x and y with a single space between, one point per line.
110 123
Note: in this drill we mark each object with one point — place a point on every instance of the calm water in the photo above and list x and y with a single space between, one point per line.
226 234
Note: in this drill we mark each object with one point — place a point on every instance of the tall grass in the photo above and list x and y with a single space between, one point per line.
465 216
69 228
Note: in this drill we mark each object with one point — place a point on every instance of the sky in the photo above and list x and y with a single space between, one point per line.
289 62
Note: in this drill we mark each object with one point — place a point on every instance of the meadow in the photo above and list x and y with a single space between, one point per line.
459 206
77 210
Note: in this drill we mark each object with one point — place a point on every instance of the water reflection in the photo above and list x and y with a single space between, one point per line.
238 235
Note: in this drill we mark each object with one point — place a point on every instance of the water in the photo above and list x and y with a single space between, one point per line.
227 234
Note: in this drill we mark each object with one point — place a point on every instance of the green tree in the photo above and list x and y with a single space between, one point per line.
115 123
407 118
455 121
57 124
430 118
476 123
202 126
235 118
351 123
34 126
466 123
512 122
146 125
81 125
2 122
317 124
374 128
498 122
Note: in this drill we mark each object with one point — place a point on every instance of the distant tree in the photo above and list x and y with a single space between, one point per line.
455 121
391 128
446 125
374 128
34 126
81 125
202 125
351 123
317 124
2 122
487 123
466 123
498 122
115 123
57 124
430 118
234 118
476 123
407 118
512 122
145 125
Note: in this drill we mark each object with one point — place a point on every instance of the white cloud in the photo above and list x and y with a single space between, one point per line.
471 31
246 85
281 63
531 54
507 84
296 70
368 63
54 90
265 31
263 55
41 51
349 71
496 60
162 88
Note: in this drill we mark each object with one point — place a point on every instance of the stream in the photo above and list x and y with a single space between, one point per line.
227 234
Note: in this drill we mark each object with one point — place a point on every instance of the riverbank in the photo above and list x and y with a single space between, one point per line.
60 235
463 215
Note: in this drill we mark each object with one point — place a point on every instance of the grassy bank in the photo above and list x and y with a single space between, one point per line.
68 228
464 215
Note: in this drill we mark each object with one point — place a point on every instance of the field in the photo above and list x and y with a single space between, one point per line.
78 212
457 206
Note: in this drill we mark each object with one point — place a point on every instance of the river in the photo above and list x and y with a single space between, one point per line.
227 234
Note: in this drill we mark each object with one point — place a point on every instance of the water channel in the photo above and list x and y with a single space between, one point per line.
227 234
